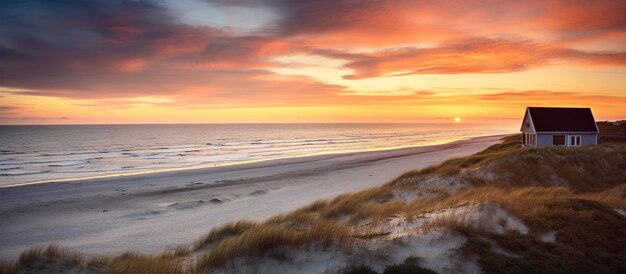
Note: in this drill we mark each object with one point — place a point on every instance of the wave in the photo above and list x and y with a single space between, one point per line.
6 160
43 162
70 164
10 152
52 154
26 173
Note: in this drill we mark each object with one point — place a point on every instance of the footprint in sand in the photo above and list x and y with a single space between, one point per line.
216 201
258 192
194 184
143 215
186 204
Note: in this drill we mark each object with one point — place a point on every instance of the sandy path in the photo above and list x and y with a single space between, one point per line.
154 212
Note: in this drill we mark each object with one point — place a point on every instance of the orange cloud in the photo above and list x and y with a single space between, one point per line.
474 55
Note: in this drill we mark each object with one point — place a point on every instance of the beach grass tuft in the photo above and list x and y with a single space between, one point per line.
133 262
53 251
220 233
280 231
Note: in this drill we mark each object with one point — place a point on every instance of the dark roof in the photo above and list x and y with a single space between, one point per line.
546 119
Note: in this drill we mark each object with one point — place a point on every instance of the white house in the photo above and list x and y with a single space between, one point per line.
549 126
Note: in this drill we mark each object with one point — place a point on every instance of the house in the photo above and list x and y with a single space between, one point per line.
550 126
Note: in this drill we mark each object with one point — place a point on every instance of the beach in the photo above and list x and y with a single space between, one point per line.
158 211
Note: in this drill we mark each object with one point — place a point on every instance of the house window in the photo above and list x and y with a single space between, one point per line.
558 140
574 140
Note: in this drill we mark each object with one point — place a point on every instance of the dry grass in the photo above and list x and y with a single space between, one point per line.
9 268
295 229
423 205
519 201
220 233
133 262
589 168
127 263
376 212
509 145
348 204
509 164
51 251
450 220
525 203
613 197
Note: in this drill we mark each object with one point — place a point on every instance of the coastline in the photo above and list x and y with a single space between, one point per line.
156 211
235 163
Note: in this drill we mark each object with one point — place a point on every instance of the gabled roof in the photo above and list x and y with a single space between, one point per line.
549 119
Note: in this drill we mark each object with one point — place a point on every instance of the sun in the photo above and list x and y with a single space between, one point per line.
457 120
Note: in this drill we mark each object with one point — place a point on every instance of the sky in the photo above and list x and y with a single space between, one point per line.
250 61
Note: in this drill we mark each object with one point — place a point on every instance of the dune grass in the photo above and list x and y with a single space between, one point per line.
590 238
613 197
587 168
9 268
61 260
51 251
133 262
220 233
295 229
509 145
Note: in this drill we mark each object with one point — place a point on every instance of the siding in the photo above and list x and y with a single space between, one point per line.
528 129
545 140
588 139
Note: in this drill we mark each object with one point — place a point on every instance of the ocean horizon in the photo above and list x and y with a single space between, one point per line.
42 153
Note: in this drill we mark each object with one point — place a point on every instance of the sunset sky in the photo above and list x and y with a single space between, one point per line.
223 61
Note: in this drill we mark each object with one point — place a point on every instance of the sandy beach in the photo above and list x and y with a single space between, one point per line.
158 211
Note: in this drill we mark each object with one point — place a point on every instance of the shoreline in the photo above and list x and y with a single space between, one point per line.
155 212
236 163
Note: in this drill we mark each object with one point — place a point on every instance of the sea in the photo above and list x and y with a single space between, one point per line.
45 153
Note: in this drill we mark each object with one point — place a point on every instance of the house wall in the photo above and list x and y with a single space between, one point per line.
527 125
545 139
588 139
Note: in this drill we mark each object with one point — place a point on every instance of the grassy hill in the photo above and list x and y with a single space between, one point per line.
506 209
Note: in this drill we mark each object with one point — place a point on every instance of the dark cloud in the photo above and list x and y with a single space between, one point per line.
380 22
91 49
